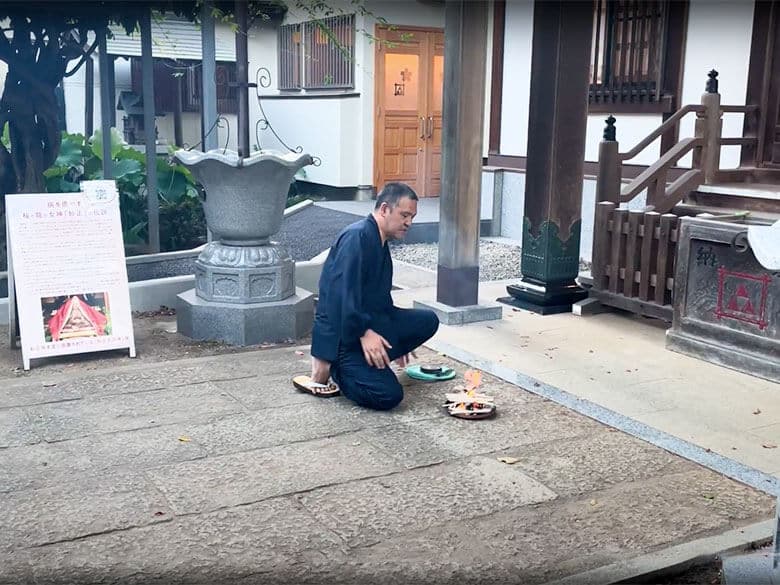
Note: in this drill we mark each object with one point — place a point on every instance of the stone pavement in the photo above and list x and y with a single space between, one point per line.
620 362
214 470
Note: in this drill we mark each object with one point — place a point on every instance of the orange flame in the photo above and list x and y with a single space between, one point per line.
473 380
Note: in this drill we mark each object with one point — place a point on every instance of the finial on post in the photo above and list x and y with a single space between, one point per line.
609 130
712 82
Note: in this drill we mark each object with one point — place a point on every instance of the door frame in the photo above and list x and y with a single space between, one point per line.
381 34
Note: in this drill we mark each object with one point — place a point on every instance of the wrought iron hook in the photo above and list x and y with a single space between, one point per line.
263 79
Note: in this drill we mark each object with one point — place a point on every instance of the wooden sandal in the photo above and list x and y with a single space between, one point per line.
306 384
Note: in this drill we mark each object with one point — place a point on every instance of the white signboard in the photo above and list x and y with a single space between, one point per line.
66 263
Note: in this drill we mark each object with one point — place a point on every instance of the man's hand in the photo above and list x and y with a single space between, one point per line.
375 349
405 360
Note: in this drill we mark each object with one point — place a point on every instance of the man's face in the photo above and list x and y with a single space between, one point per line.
398 219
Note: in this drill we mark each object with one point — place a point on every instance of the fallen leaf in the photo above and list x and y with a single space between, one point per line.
757 411
508 460
184 439
769 446
593 503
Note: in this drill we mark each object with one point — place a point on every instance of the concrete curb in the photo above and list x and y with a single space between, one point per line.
150 295
674 559
293 209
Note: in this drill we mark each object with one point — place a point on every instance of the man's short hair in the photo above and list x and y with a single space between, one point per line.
392 193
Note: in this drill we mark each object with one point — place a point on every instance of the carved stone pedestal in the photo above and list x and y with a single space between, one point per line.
244 274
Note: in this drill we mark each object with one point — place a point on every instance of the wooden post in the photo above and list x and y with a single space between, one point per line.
208 103
557 120
147 74
242 74
712 129
608 181
89 97
465 46
105 104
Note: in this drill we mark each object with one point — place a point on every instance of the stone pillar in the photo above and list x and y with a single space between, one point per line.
465 50
558 111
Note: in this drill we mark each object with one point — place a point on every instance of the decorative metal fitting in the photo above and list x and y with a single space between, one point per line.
263 79
712 82
610 131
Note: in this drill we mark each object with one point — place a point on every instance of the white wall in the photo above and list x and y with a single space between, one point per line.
338 130
719 36
518 38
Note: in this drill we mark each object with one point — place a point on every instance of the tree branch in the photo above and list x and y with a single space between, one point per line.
84 57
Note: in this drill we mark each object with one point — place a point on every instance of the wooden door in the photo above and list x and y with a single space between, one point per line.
409 80
432 146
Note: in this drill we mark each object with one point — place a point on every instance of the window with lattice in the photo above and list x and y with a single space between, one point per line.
318 54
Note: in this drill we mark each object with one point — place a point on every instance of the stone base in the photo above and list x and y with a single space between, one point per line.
542 298
461 315
743 359
246 324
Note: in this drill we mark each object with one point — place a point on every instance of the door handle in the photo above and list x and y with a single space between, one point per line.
430 127
422 128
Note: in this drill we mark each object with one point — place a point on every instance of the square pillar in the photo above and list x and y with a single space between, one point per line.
465 50
558 112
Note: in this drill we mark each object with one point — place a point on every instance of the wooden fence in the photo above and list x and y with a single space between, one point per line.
633 260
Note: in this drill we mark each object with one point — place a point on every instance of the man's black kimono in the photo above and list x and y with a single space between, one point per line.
355 296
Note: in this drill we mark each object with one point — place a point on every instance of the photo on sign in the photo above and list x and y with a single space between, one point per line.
75 316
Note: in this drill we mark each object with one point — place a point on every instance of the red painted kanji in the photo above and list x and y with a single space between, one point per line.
747 302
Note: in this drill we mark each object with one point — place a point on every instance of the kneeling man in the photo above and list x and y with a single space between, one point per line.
357 330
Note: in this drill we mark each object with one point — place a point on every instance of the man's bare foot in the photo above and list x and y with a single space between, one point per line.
320 370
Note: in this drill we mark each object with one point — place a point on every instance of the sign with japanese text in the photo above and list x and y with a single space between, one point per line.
67 269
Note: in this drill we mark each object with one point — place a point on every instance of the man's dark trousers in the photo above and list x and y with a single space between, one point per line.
405 330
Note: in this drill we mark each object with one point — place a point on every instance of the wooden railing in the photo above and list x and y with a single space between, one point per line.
634 251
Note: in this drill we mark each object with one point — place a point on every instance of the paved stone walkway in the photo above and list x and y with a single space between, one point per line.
214 470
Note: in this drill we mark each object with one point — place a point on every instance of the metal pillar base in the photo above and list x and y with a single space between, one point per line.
544 299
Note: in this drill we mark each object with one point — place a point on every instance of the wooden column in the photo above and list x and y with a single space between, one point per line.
242 74
89 97
465 45
147 75
105 105
558 111
208 104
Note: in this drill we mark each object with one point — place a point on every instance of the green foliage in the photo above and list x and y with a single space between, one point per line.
182 224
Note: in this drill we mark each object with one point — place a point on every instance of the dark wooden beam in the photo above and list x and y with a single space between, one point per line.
557 121
673 70
759 75
150 134
497 76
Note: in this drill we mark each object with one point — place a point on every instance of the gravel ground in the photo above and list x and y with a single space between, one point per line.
496 261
